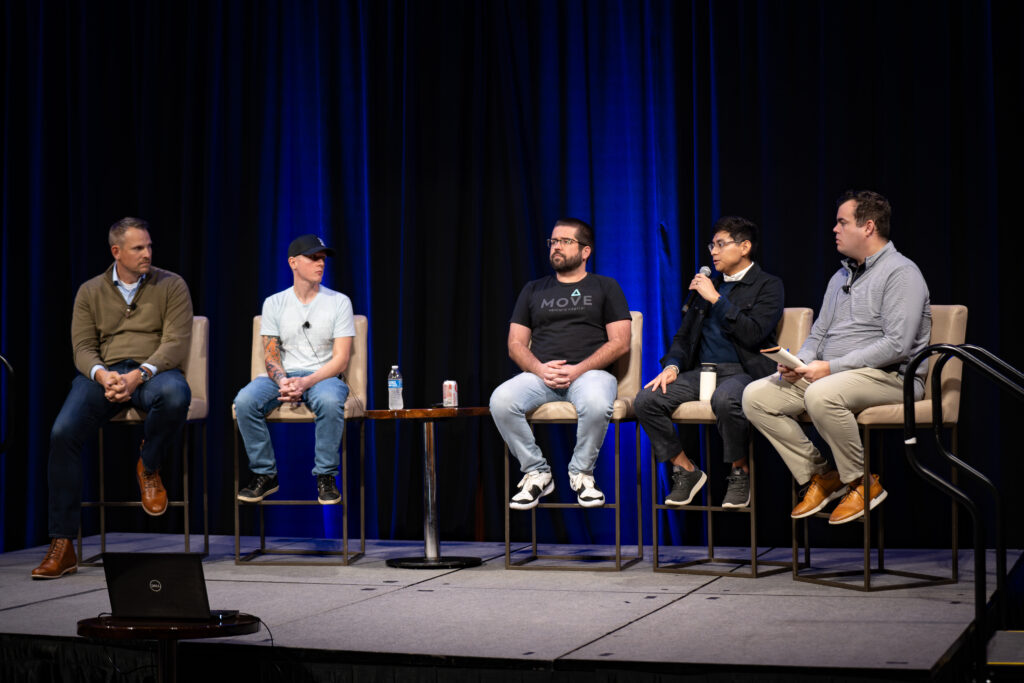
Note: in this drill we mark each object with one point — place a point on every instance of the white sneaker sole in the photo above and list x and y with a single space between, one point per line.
516 505
838 493
590 503
693 492
860 513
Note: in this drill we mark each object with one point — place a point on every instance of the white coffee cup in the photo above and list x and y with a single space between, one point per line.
708 380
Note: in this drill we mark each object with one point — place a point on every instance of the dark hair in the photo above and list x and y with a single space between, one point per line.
871 206
584 233
118 229
739 229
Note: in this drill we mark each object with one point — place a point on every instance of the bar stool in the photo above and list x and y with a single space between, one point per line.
949 326
196 371
793 329
355 409
627 371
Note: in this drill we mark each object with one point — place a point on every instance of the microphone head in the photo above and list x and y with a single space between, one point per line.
306 325
705 271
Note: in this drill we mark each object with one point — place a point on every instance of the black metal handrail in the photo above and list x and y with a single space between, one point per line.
1010 379
10 404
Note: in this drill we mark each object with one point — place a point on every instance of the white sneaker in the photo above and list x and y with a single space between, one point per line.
587 493
531 488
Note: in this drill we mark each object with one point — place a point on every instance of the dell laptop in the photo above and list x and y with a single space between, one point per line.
156 586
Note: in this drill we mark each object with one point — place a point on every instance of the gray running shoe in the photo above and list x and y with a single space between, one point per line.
737 490
685 486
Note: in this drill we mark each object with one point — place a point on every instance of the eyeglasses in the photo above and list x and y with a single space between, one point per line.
722 244
564 241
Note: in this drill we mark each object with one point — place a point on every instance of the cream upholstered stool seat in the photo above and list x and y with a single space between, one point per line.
627 372
791 332
355 409
196 371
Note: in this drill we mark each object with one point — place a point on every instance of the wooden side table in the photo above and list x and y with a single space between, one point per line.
431 558
167 633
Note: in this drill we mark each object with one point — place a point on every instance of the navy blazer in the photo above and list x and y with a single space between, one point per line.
755 308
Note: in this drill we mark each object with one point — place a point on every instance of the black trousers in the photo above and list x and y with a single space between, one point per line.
654 411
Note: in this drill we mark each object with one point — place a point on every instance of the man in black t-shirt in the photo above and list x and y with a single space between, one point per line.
565 331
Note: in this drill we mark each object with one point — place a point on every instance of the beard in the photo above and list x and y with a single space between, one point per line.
566 263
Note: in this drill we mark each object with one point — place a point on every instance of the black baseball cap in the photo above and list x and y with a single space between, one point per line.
308 244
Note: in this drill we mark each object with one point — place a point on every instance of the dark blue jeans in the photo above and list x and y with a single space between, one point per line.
165 398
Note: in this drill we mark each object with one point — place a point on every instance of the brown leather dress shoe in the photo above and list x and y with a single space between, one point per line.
822 489
154 496
60 560
852 506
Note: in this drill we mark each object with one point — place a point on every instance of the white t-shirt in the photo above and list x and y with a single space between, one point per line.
329 315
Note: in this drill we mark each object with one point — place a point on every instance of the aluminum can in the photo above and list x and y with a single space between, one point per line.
450 390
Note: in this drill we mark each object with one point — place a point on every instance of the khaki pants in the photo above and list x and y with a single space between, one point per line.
772 405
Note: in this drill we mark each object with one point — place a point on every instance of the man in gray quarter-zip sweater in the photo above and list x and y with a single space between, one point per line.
875 316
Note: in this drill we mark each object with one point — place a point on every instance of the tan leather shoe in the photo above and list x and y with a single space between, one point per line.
822 489
154 496
852 506
60 560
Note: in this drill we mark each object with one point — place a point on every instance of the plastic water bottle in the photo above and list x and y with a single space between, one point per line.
395 389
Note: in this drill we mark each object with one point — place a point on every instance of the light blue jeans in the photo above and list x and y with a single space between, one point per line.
593 394
326 399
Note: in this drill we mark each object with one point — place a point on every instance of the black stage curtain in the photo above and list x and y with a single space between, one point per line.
435 143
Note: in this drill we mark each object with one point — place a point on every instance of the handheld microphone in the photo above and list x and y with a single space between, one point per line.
706 272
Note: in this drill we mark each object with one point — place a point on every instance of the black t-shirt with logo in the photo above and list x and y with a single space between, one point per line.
567 320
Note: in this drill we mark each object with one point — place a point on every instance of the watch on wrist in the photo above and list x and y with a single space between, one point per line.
146 374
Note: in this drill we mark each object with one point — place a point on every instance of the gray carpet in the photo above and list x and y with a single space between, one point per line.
626 617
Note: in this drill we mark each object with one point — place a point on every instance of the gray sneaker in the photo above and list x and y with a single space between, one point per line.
685 486
326 490
260 486
737 490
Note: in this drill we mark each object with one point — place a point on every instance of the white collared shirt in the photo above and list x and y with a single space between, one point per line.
738 276
127 291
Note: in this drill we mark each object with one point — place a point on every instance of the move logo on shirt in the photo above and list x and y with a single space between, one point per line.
574 300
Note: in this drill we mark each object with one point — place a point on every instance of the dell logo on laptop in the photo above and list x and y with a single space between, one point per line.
155 585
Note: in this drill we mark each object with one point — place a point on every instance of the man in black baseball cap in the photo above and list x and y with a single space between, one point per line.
307 335
305 245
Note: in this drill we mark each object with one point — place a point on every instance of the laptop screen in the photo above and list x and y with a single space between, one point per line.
156 585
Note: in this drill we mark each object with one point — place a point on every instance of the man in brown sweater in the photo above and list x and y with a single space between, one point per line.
130 330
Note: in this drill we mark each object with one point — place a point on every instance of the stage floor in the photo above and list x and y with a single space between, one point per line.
634 619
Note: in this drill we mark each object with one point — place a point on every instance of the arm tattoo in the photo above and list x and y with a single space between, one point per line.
272 358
